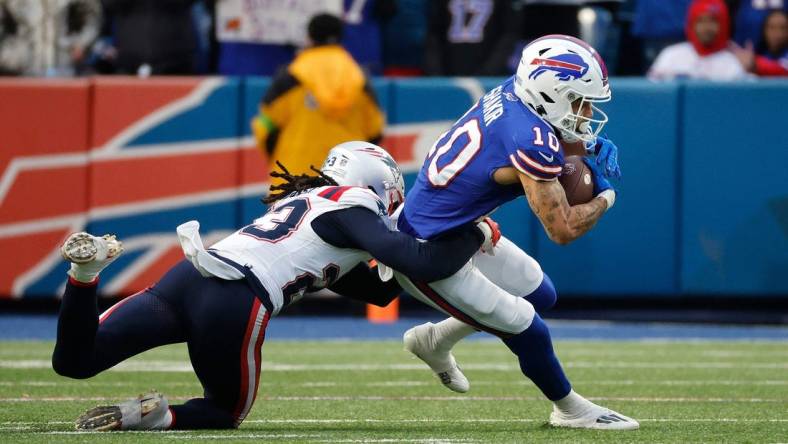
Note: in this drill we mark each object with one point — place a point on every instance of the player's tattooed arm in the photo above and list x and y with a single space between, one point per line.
562 222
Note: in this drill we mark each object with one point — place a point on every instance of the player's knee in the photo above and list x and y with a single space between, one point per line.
520 317
69 369
535 330
545 296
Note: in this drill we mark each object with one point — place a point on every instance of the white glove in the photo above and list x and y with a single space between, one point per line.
386 273
492 234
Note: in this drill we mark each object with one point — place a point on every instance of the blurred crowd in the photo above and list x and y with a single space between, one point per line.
663 39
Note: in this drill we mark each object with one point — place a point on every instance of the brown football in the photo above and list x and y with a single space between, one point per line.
573 148
576 180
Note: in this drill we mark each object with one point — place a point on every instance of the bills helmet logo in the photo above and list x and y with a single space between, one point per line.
566 66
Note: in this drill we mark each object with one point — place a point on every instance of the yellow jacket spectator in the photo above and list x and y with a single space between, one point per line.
320 100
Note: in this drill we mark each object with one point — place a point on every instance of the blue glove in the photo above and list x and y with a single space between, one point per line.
607 155
600 183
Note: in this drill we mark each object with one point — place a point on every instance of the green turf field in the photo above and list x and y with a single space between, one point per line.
336 392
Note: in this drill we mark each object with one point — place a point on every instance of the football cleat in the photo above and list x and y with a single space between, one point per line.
598 418
89 254
149 411
419 340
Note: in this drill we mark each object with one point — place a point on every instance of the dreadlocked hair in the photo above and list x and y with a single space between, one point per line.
295 183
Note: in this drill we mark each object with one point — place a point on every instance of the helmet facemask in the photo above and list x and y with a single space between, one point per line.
395 196
574 126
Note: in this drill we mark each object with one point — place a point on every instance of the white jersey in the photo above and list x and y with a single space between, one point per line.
682 61
283 251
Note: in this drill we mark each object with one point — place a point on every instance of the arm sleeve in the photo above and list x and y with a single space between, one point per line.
363 284
360 228
766 67
274 111
274 105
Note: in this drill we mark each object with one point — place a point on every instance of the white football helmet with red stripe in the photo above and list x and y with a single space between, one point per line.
556 70
367 165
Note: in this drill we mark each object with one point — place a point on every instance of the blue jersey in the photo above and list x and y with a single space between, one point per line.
455 185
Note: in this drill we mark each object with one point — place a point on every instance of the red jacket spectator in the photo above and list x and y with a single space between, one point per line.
705 55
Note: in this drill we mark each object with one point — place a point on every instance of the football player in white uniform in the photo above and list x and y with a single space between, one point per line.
319 232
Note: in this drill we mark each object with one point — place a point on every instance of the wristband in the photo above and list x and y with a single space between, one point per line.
610 197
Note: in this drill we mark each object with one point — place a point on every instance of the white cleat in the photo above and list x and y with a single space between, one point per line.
419 340
149 411
598 418
89 254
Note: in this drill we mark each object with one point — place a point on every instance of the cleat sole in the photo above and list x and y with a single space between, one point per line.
101 418
79 248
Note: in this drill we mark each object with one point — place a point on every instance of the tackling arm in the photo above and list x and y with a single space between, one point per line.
360 228
562 222
363 284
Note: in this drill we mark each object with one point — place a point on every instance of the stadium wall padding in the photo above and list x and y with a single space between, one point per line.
702 208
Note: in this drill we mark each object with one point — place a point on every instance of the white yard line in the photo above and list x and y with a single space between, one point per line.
409 383
24 426
410 398
415 421
185 366
233 437
480 420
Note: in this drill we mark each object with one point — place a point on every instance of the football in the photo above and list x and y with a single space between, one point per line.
576 180
574 148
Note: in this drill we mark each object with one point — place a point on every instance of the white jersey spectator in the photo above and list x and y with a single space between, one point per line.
705 55
683 61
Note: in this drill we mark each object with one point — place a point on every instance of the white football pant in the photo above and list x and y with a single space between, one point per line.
487 292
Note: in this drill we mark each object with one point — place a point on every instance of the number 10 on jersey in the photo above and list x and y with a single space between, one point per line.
456 153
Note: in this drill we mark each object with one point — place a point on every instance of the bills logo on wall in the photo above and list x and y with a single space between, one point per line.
117 156
133 158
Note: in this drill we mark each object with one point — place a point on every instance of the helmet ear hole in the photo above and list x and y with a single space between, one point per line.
546 97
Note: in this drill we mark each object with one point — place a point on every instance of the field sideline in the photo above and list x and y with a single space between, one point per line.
372 391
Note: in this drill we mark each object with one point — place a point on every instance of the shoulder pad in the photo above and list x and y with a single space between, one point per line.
537 152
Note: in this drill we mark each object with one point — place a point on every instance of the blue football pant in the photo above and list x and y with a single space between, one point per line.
222 322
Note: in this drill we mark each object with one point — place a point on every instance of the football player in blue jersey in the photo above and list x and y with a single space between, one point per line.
509 144
319 232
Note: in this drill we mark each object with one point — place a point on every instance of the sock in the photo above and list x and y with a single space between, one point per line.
449 332
538 362
200 413
168 421
544 297
76 330
82 274
573 405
